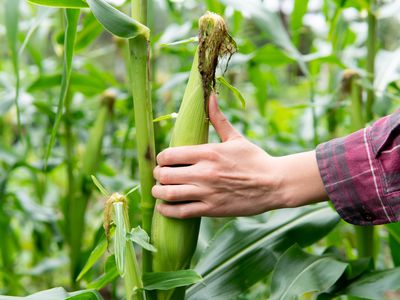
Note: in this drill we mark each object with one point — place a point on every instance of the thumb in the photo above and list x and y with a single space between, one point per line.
223 127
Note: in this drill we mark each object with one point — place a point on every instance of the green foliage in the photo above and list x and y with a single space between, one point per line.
246 250
298 272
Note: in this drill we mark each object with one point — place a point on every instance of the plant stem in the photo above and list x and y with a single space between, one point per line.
364 234
371 53
140 57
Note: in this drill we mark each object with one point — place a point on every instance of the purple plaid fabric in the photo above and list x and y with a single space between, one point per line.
361 173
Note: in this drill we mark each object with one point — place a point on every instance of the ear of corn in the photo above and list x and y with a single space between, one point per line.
176 239
116 210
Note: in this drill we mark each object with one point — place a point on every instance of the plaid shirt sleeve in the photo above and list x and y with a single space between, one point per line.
361 173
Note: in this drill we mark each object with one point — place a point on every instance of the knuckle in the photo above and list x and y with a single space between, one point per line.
155 191
169 194
163 176
183 213
155 172
211 154
164 157
159 158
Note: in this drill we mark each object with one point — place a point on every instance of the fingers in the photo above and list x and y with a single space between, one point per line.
185 155
174 193
223 127
183 211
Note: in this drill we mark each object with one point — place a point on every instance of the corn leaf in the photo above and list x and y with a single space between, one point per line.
72 18
375 285
140 237
234 90
58 294
87 84
170 116
95 255
101 188
170 280
301 279
394 241
110 273
61 3
85 295
11 12
191 40
246 250
117 22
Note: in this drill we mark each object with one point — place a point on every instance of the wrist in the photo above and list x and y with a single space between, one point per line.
301 182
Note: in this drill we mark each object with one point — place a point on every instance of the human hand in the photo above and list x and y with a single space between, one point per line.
231 178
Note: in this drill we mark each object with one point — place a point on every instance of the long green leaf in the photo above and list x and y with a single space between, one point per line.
117 22
246 250
61 3
95 255
11 12
72 18
375 284
58 294
170 280
110 273
308 273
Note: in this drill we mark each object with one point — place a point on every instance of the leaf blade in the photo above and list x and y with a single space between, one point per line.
60 3
117 22
170 280
72 18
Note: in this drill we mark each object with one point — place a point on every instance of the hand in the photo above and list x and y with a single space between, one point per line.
232 178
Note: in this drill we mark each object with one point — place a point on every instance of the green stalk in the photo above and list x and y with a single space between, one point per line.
176 239
371 53
364 234
140 82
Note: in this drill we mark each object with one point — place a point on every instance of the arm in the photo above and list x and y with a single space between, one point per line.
233 178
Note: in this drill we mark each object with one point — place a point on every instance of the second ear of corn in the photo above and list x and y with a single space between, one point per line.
176 239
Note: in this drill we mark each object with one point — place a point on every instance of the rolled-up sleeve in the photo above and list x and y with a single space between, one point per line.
361 173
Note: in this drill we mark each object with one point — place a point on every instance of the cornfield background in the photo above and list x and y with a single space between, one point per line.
290 68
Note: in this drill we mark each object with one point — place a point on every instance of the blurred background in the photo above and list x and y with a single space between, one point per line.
296 66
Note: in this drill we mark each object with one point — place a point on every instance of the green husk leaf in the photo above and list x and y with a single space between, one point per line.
234 90
119 239
140 237
191 40
101 188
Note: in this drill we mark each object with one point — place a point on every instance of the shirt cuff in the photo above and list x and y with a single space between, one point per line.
355 171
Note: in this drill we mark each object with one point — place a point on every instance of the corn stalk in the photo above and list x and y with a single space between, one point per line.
351 83
176 239
371 53
140 82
